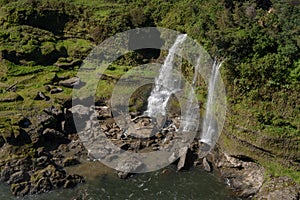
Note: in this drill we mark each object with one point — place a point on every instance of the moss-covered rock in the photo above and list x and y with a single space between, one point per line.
70 161
20 189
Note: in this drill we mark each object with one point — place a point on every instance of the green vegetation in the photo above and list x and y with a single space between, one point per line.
259 39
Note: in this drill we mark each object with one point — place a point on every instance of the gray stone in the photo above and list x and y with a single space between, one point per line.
129 165
70 82
67 65
206 165
52 134
12 98
80 110
56 90
279 188
103 112
246 178
182 154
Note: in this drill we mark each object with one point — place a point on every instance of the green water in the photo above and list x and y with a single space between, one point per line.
193 184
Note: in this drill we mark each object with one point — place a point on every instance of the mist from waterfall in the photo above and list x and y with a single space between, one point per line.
190 116
166 84
210 126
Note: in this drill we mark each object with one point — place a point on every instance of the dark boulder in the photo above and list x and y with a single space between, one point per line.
5 173
70 161
2 141
24 122
41 96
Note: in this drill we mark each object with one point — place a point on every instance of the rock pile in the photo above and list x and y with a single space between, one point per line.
55 144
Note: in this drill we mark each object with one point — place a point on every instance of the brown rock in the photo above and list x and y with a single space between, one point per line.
182 154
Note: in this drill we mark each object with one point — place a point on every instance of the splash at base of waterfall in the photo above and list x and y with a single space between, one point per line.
167 83
210 126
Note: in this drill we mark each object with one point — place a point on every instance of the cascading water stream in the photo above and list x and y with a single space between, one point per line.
210 126
166 84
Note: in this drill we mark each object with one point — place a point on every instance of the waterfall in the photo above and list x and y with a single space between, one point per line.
166 84
210 126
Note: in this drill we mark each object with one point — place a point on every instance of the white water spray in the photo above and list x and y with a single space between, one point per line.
166 83
210 126
190 117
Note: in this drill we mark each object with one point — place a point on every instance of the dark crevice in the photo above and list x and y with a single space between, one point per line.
49 20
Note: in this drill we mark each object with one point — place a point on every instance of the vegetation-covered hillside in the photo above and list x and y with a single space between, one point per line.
44 42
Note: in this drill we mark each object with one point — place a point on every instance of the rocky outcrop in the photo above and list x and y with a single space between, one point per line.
43 180
279 188
38 166
36 174
247 178
244 176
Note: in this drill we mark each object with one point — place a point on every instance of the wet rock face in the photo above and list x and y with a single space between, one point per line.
206 165
183 157
5 173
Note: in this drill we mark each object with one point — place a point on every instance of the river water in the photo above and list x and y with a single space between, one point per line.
163 184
